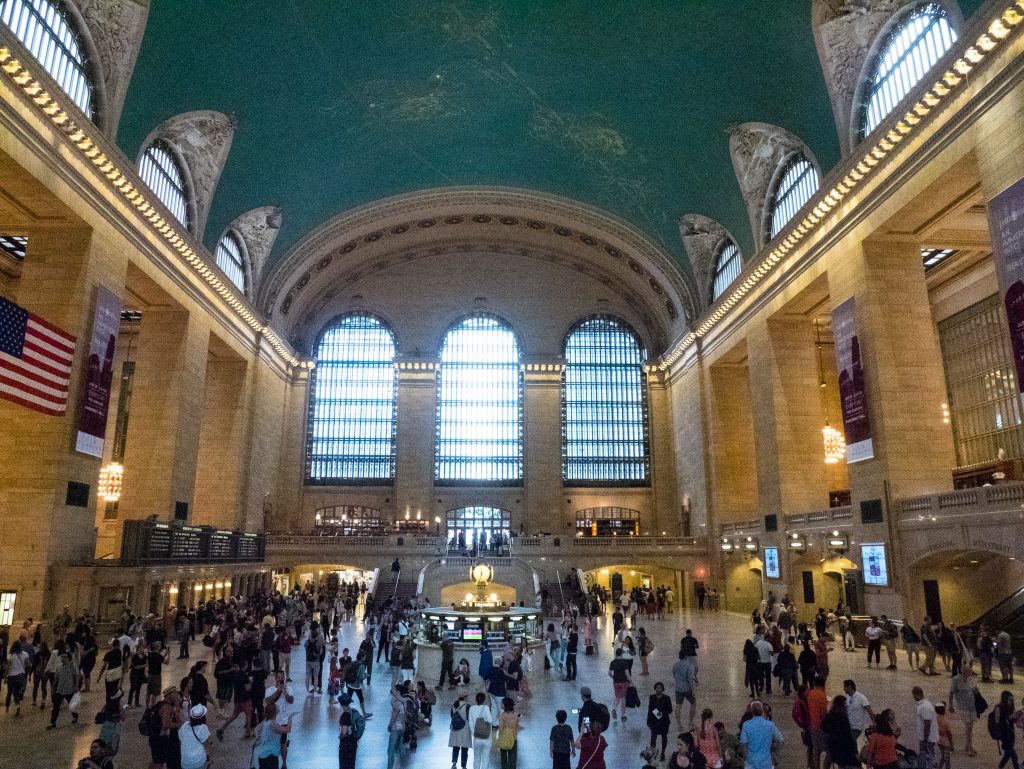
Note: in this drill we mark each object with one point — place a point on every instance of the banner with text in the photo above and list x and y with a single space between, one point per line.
852 391
1006 225
99 374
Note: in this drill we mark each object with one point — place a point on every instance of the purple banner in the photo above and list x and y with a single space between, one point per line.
92 418
852 392
1006 225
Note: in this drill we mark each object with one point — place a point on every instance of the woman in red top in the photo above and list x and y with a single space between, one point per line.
881 746
592 747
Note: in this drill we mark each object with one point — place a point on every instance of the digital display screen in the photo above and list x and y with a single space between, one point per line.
472 634
771 562
876 569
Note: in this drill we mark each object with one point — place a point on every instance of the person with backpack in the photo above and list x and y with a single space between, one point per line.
592 711
1001 728
460 738
351 727
314 666
355 676
479 720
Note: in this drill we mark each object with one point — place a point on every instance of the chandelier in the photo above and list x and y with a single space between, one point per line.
835 444
111 478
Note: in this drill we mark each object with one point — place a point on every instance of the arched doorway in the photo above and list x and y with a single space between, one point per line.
479 530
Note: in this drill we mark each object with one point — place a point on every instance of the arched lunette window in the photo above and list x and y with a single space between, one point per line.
604 402
159 169
230 258
912 48
798 183
479 405
351 434
45 30
728 266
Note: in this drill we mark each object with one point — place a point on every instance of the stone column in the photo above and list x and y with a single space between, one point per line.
285 512
268 392
691 445
665 500
542 452
414 452
788 417
58 283
223 446
162 446
734 477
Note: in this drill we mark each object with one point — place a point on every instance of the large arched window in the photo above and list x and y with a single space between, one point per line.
728 266
604 401
352 404
43 28
160 171
230 258
913 47
479 530
479 404
797 185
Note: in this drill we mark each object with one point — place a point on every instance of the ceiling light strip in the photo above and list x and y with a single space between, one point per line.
129 186
945 86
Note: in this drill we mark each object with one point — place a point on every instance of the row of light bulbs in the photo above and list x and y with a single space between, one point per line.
836 541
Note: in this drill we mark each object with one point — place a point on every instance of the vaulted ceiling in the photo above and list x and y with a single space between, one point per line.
624 106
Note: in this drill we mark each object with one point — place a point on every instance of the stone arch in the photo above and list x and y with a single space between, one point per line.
848 34
258 230
202 140
511 225
760 152
704 239
114 31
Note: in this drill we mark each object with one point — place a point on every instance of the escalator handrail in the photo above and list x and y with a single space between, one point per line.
1002 612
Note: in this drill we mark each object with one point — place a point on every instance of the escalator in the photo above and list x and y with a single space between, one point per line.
1006 615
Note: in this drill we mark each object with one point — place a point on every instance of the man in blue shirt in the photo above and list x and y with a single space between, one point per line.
757 737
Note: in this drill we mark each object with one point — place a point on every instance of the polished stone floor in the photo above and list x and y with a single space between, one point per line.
24 742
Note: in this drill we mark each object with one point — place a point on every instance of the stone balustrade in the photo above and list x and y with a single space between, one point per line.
1001 500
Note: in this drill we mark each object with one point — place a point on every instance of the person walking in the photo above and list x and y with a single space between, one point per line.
67 680
930 645
842 745
460 737
592 745
348 733
479 721
508 734
194 736
1004 730
858 709
685 683
396 728
963 694
19 663
447 663
110 671
659 708
759 736
927 730
873 632
911 644
881 745
889 636
1004 655
644 646
271 736
618 670
708 742
560 742
572 645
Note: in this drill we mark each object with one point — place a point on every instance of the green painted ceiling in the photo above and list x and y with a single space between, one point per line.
622 105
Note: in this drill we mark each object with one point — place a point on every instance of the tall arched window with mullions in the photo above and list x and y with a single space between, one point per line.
351 432
46 31
797 184
162 172
604 401
479 405
728 265
912 47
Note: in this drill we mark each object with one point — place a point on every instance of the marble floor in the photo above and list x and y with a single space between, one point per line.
24 742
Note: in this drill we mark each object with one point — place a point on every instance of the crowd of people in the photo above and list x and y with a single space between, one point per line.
242 684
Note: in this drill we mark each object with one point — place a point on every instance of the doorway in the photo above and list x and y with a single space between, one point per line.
932 604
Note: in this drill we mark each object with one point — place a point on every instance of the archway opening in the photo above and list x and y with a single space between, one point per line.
479 530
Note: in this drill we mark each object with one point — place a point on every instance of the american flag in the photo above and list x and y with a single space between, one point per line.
35 360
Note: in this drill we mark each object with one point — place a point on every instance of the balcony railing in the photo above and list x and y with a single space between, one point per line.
826 516
1004 498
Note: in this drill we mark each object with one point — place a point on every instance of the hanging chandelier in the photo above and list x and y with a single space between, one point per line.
835 444
111 478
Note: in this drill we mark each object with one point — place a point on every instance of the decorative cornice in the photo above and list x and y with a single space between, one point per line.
970 51
120 177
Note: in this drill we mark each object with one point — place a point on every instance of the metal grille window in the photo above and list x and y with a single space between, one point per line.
933 257
479 405
727 269
160 171
478 528
604 401
349 520
352 404
14 245
913 48
608 521
985 408
797 186
44 30
230 259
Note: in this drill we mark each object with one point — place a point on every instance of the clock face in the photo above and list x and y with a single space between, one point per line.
481 572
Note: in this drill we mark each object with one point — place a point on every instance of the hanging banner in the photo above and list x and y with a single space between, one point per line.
852 391
1006 228
92 418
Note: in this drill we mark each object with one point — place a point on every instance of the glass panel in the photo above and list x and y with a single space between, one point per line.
727 268
985 408
605 406
472 529
229 259
350 520
352 404
798 185
14 245
912 49
7 599
161 174
45 32
479 404
608 522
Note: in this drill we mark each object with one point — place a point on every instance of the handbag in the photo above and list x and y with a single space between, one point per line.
980 703
632 697
75 702
481 728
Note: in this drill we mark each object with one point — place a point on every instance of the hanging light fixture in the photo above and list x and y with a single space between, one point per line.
834 441
111 480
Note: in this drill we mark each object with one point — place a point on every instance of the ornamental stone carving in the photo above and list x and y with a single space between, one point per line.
258 228
202 139
704 239
116 28
758 151
847 34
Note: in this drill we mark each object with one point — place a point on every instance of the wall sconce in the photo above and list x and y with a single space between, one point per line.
727 545
751 545
838 543
173 590
798 544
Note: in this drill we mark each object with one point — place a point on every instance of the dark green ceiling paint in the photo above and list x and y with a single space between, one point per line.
622 105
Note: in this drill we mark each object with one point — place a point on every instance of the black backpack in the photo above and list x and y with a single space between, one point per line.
993 725
150 723
603 716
